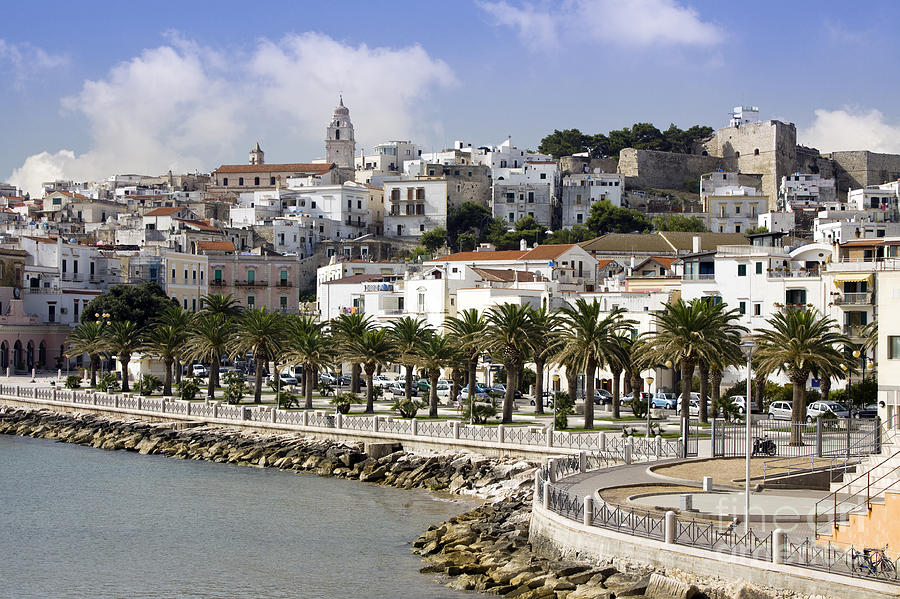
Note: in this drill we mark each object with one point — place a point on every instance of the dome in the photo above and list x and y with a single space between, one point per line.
340 108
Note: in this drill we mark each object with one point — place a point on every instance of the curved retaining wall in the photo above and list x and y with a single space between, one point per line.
553 534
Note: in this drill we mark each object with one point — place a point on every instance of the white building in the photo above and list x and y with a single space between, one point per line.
386 160
805 191
580 192
777 222
877 197
526 191
741 115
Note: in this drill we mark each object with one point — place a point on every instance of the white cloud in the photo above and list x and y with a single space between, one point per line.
626 23
23 60
184 107
847 129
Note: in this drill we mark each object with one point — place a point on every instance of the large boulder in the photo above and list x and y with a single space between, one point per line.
663 587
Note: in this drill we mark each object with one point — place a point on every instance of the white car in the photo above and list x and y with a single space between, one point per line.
380 380
826 409
199 370
443 391
286 379
780 410
740 402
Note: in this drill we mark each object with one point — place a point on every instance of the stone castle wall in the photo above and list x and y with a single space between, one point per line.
861 168
650 168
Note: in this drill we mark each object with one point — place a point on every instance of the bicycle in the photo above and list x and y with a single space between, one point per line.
873 562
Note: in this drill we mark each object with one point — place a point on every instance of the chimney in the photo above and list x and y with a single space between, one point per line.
697 245
523 245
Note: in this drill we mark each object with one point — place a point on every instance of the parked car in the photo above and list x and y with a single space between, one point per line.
867 411
501 389
780 410
826 409
444 390
626 399
481 392
345 379
398 389
602 396
664 400
380 380
741 404
199 370
286 379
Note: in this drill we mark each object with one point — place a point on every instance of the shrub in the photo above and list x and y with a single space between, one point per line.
481 412
325 389
188 388
286 399
638 406
563 407
148 385
73 381
408 408
725 408
235 387
343 402
108 382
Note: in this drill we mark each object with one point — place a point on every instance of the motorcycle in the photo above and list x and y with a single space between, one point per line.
764 446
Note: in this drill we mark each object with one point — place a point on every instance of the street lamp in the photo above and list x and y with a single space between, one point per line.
649 380
747 349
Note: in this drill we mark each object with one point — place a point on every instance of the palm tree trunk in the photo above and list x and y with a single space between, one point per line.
354 378
761 389
617 375
433 376
94 361
704 390
687 376
455 377
167 382
715 388
370 389
125 358
572 383
309 375
590 372
798 410
510 396
825 387
213 379
473 365
539 385
408 384
257 381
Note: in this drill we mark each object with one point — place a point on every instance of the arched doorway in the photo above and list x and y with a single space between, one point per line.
29 357
4 355
18 358
42 354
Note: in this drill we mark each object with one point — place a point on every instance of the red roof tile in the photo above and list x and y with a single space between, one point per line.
164 211
299 167
479 256
216 246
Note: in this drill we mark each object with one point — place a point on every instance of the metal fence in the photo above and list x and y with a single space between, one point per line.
821 437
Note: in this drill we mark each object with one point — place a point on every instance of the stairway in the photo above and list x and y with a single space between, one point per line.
885 464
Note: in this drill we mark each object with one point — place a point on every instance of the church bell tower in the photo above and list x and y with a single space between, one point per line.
340 145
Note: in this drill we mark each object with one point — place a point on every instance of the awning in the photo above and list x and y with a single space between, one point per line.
853 277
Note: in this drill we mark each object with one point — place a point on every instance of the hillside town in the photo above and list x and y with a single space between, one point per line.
396 231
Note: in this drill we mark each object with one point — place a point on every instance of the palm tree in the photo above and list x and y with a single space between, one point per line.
437 352
217 303
688 333
122 339
725 335
165 342
589 340
262 334
87 338
510 336
469 328
372 349
544 328
345 329
618 361
800 343
208 340
310 345
408 334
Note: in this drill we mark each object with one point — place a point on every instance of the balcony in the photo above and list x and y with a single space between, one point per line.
802 273
283 283
698 276
217 283
250 284
378 287
863 298
854 330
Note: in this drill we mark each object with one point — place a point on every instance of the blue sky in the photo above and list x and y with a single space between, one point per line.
93 90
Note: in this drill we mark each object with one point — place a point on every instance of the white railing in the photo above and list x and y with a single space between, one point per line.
612 446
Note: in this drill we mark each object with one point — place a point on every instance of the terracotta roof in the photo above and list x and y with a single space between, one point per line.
13 198
601 264
199 224
216 246
352 279
504 276
299 167
479 256
71 194
663 260
548 252
862 242
164 211
51 240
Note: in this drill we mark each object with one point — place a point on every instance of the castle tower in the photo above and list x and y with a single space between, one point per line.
340 145
257 156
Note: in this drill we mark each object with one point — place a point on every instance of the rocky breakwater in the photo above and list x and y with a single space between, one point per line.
451 471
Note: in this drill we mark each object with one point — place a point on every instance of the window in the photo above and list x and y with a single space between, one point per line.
421 228
579 218
531 197
185 275
742 270
240 182
284 275
75 266
64 266
185 303
251 301
251 275
543 175
218 274
193 275
757 309
271 180
193 304
737 209
737 227
421 301
795 297
51 313
742 307
256 180
759 268
173 275
420 193
283 302
893 347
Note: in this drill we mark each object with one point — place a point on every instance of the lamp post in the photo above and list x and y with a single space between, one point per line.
649 381
747 349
